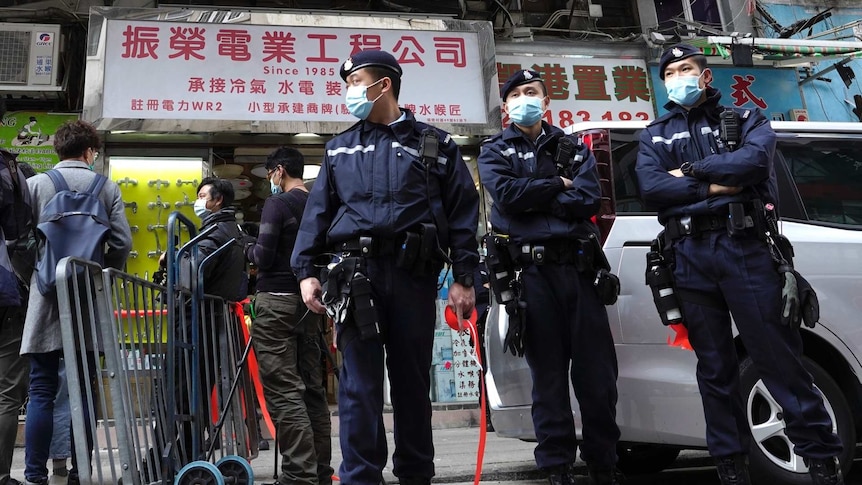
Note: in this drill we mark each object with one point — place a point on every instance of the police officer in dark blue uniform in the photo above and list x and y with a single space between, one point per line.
393 199
546 219
714 189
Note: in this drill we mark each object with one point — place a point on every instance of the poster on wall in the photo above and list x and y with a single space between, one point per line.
587 89
30 134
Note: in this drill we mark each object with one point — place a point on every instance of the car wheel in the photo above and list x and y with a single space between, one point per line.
635 459
771 457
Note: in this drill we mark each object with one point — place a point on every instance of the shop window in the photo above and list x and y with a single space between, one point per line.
828 176
702 11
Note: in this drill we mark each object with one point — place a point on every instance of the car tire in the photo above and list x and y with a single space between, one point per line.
771 458
636 459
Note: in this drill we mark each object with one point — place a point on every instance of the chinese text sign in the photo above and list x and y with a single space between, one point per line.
584 89
169 70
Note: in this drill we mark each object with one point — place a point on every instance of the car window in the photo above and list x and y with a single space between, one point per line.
828 177
625 153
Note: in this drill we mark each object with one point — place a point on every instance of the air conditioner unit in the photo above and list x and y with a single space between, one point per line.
29 57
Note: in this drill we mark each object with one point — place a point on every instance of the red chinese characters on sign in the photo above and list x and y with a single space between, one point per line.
187 42
406 49
322 38
140 42
741 92
451 50
233 44
279 45
591 83
363 42
554 77
630 82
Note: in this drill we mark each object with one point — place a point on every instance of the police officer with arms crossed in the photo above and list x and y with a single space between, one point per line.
546 217
393 194
713 194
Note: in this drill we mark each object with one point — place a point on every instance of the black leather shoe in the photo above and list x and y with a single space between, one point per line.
561 475
825 471
612 476
414 481
733 470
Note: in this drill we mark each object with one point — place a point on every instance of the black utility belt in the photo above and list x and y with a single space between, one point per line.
578 252
415 251
740 221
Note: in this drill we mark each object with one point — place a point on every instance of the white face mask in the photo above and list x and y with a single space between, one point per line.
201 208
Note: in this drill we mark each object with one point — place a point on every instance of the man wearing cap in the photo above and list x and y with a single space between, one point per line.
545 212
716 194
392 212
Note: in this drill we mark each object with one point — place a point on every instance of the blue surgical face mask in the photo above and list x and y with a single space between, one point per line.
357 100
201 208
684 90
525 110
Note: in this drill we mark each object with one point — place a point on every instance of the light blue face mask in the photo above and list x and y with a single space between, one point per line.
684 90
275 189
525 110
357 100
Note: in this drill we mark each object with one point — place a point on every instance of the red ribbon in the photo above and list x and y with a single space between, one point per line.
680 339
469 326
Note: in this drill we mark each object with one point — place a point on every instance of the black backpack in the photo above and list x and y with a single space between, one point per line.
71 224
16 208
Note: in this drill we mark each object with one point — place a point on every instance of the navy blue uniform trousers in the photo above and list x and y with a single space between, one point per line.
567 324
407 313
741 272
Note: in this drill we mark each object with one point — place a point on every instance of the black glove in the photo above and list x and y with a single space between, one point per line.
808 303
790 313
514 341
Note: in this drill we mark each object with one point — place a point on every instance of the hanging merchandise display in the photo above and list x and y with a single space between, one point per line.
152 188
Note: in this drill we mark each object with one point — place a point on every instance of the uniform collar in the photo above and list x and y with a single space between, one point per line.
72 164
403 128
512 132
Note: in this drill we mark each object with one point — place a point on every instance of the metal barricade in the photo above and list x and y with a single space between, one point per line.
113 328
158 381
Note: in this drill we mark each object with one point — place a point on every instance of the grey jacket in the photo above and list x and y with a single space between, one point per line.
42 326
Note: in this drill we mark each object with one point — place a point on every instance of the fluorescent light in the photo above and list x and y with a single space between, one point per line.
466 158
121 132
309 135
310 172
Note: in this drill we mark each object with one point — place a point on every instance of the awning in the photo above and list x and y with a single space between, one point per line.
784 52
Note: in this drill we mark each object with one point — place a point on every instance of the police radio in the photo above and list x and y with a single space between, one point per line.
501 267
729 129
566 156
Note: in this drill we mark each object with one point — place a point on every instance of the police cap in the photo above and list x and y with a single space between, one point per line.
676 53
523 76
370 58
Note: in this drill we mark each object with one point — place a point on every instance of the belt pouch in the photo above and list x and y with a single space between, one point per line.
428 243
408 251
364 311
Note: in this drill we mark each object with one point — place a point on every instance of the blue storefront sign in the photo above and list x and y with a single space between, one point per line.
773 91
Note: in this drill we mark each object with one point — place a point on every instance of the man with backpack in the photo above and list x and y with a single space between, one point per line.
14 203
286 335
77 144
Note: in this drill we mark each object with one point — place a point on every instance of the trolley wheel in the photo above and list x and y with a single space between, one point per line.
199 473
236 470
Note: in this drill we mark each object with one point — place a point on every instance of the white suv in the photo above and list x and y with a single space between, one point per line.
819 169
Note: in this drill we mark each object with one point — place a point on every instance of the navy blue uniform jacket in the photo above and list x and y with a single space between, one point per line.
530 201
372 182
692 136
